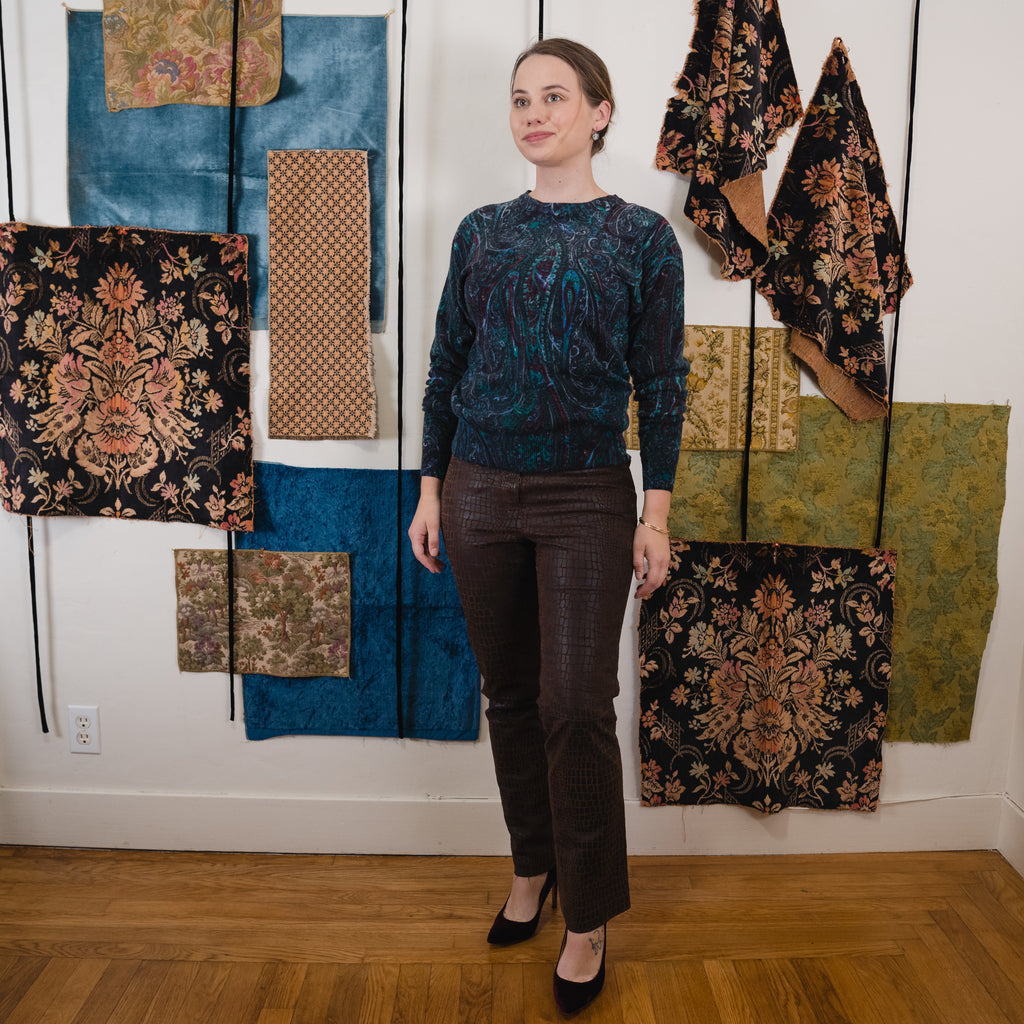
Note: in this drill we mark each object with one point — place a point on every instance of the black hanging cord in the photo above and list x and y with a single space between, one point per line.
35 624
749 429
399 514
887 432
233 106
30 538
540 19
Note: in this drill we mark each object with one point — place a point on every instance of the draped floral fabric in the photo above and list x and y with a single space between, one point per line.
736 96
291 611
764 677
834 269
716 391
165 51
124 374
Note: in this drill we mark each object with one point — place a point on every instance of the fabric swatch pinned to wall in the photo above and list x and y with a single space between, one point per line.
344 509
764 677
944 500
321 357
164 51
124 375
834 270
291 611
736 96
129 168
716 391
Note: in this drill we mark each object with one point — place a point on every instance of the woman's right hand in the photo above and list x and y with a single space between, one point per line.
425 529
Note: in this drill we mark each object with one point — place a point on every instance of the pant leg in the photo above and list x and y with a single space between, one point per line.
582 524
494 570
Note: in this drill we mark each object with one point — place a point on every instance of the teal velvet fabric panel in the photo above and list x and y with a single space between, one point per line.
353 510
166 167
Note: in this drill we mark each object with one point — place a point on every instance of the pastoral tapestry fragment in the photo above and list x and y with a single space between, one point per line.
321 358
944 502
130 168
764 676
124 375
716 391
354 510
291 611
834 269
167 51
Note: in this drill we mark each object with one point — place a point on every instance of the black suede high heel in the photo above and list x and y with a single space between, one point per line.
573 996
507 933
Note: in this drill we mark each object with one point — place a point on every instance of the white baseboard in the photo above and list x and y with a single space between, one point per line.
475 827
1011 834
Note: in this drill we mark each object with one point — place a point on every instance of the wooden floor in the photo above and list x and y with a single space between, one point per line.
94 937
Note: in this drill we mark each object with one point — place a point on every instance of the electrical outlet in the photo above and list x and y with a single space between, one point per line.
84 728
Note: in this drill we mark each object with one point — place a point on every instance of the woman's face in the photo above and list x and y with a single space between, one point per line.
551 119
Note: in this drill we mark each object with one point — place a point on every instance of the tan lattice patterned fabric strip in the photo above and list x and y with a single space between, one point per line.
716 400
321 357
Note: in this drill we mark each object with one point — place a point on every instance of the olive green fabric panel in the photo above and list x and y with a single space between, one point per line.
943 458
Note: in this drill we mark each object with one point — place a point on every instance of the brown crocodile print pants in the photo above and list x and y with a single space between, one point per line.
543 566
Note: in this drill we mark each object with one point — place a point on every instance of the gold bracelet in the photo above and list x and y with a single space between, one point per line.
651 526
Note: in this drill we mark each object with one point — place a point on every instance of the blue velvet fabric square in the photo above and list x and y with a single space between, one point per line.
166 167
353 510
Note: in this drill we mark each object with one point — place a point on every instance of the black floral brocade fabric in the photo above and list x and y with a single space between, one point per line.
124 374
735 98
764 676
835 251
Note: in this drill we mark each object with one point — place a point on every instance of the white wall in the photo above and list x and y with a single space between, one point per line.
175 772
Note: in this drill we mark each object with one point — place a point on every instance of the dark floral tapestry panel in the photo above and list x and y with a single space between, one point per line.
764 676
291 617
736 96
834 268
124 375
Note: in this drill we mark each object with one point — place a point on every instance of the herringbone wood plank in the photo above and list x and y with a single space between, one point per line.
97 937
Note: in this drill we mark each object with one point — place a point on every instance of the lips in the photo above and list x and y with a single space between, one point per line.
537 136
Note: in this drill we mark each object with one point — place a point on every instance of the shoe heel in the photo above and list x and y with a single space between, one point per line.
507 933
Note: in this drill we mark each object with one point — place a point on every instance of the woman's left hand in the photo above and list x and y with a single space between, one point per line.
650 550
651 546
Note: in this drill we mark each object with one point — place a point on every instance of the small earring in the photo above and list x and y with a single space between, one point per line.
595 136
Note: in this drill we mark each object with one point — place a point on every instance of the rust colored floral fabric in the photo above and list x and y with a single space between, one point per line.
736 96
834 269
321 355
292 612
764 677
157 52
124 374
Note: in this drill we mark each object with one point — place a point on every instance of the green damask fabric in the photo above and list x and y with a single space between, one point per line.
944 502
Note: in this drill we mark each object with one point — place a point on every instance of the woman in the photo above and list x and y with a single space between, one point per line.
556 305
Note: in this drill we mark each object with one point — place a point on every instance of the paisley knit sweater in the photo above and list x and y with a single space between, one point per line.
551 314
